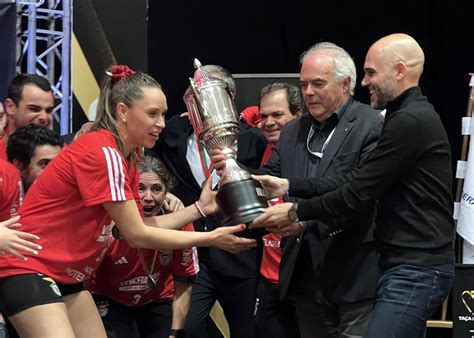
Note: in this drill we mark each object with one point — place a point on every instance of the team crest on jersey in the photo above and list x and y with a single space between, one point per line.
165 259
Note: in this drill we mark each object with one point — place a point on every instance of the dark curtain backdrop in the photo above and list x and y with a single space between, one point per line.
268 37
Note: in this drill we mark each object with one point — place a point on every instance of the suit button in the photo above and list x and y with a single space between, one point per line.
298 240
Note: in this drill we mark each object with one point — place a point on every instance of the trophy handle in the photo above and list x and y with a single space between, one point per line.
197 63
194 89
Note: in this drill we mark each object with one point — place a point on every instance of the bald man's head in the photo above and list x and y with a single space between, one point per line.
392 65
402 48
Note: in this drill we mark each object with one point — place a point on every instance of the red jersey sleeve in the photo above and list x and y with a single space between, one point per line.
3 153
102 176
11 190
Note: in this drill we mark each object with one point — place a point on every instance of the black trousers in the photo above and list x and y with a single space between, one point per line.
318 318
235 295
121 321
274 318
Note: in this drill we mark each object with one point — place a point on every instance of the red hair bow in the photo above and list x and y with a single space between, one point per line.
119 71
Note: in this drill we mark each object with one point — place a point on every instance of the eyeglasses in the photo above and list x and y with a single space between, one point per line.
310 135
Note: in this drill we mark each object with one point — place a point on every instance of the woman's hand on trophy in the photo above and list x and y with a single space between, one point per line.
223 238
274 186
207 200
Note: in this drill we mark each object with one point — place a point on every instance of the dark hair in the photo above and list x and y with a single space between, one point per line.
155 165
15 88
22 143
293 95
127 89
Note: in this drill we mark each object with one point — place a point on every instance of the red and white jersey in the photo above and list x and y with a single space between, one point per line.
64 208
122 276
271 255
11 190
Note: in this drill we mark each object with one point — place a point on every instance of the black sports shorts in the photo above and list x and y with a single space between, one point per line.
21 292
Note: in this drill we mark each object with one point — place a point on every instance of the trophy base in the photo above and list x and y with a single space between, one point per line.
241 201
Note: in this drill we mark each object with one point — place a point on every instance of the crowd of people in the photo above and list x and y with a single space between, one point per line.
118 233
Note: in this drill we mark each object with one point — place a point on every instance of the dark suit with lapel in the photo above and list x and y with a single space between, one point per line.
229 278
345 262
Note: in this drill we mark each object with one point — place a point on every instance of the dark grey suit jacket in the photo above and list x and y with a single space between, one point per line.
345 262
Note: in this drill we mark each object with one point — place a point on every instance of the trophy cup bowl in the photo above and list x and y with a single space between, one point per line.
216 123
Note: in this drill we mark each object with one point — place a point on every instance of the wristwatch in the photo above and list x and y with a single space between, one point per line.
293 213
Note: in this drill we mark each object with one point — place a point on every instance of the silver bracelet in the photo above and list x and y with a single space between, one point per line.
198 207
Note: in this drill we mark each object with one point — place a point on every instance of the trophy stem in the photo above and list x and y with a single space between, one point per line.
232 173
229 153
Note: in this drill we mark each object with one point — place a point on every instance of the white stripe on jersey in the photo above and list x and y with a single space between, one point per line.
110 171
120 177
116 173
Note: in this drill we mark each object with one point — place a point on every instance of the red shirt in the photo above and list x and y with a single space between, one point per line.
3 148
122 277
11 190
64 208
271 256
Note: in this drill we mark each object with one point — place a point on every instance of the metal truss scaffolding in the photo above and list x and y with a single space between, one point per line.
44 36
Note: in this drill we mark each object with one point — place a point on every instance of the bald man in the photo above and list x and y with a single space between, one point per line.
393 65
409 173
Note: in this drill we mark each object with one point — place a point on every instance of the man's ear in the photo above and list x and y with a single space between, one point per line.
346 84
10 107
18 164
401 69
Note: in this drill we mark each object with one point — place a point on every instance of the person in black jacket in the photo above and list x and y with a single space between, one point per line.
230 279
409 173
330 275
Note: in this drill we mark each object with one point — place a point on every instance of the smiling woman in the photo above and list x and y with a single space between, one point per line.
91 185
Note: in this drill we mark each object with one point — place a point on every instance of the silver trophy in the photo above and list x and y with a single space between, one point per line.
216 123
